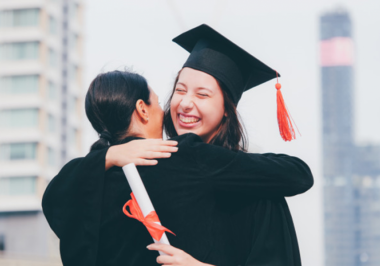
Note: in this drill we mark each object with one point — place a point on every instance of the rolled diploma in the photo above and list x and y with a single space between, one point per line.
141 196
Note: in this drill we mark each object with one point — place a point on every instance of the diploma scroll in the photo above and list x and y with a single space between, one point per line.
142 196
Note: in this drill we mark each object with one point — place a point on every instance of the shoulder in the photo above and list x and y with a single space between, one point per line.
194 141
204 153
69 166
188 138
92 162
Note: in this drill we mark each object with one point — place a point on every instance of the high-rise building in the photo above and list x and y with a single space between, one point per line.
41 94
351 173
337 95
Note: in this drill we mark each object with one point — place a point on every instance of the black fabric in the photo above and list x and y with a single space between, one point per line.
214 54
226 208
71 205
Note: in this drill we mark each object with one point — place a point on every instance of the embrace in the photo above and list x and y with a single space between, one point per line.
225 205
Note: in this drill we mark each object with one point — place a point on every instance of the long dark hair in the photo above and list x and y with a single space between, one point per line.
231 133
110 102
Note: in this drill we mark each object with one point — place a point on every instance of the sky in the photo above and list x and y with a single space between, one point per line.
284 34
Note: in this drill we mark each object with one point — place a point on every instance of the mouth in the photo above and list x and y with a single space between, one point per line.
188 120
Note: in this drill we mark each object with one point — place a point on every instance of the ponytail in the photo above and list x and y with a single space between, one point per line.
104 141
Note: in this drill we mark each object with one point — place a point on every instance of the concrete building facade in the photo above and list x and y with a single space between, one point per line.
41 96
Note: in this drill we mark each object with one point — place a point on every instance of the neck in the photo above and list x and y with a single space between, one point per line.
136 132
143 131
207 139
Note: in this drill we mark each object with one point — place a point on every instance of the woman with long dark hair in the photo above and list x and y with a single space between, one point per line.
225 206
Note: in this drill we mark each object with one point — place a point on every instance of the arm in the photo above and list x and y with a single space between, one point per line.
82 175
140 152
261 175
71 205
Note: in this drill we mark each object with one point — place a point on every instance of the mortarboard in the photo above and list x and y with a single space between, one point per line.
239 71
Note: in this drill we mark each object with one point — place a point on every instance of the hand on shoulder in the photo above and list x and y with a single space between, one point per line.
140 152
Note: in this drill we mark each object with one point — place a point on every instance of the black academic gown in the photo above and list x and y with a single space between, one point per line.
226 207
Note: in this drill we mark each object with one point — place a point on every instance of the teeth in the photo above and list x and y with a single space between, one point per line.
186 119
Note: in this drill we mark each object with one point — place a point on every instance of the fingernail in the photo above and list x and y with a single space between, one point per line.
148 246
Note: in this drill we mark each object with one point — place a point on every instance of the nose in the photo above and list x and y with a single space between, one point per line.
187 103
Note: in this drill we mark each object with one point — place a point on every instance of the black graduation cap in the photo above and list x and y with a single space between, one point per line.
214 54
239 71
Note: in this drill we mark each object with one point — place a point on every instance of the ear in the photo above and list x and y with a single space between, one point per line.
142 111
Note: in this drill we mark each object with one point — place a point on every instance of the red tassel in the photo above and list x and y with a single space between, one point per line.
284 119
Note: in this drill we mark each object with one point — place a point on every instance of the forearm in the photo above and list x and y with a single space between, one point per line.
265 175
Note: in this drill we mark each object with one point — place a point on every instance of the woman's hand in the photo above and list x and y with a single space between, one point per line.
140 152
175 257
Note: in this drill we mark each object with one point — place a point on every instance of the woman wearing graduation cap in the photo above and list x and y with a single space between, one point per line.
258 237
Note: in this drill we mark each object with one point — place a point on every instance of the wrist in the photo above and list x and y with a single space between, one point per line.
110 158
205 264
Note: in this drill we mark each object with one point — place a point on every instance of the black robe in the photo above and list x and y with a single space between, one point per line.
226 207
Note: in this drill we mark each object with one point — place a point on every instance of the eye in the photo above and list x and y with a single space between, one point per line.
180 90
203 95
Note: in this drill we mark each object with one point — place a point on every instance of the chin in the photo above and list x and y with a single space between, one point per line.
182 131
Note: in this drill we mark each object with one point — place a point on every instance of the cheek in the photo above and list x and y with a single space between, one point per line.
160 114
212 112
173 106
175 101
157 114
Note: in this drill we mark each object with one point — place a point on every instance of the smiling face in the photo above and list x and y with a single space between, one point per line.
197 104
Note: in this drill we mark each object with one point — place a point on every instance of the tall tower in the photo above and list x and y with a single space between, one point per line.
351 172
337 73
41 62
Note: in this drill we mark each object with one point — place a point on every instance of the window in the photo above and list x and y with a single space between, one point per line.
19 84
18 151
51 157
52 90
73 11
51 123
72 104
19 17
73 73
72 136
2 242
19 118
19 51
53 26
23 185
53 58
73 41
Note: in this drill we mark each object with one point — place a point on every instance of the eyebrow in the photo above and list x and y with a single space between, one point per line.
203 88
199 88
180 83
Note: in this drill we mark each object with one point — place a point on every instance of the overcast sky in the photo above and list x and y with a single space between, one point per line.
283 34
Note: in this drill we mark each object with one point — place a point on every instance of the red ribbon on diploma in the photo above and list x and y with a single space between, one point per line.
155 230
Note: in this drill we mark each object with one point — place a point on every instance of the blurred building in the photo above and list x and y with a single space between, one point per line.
351 173
41 61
